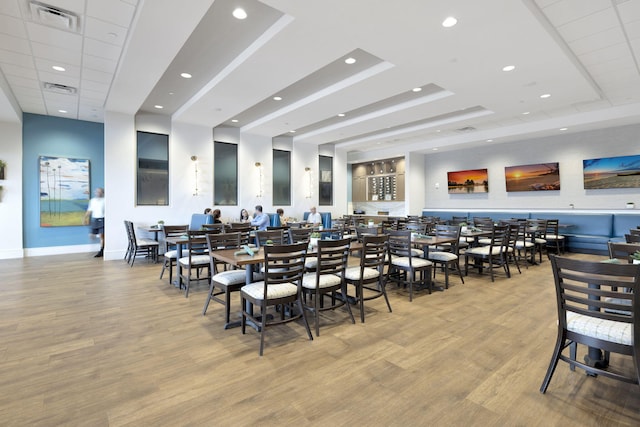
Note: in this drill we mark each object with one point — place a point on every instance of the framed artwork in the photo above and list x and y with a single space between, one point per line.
468 181
64 191
535 177
611 172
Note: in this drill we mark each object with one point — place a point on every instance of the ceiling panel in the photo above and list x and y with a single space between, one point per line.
599 41
104 31
113 11
14 44
13 26
16 70
101 49
566 11
590 24
53 37
64 56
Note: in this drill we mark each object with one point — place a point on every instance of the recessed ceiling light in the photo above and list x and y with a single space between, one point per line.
435 149
350 61
170 93
277 98
62 111
526 112
416 89
341 115
438 131
234 120
449 22
509 68
292 131
489 140
545 95
58 68
239 13
185 75
159 107
563 128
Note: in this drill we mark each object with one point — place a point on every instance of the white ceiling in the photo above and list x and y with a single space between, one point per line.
126 56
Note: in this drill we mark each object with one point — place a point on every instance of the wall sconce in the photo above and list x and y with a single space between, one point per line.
259 167
307 182
194 159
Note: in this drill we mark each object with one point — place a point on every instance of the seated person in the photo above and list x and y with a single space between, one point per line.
314 217
283 220
207 211
260 220
244 216
216 216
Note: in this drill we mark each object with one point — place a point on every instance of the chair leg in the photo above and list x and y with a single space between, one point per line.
227 306
206 303
263 327
554 361
304 317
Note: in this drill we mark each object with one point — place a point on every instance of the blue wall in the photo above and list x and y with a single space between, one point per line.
57 137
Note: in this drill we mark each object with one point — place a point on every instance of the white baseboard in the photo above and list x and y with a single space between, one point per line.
12 253
61 250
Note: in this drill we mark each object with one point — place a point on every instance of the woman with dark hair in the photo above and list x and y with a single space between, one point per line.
244 216
216 216
207 211
283 220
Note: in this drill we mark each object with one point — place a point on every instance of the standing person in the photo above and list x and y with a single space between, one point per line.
260 220
283 220
314 218
95 213
244 216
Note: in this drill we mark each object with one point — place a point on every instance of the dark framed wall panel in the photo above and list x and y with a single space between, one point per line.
281 178
152 169
225 174
325 181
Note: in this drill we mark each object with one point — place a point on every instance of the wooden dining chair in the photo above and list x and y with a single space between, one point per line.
494 254
224 281
632 238
405 268
447 256
282 286
327 279
368 277
171 254
275 237
590 297
196 259
147 248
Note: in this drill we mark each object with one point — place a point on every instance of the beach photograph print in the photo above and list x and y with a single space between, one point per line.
468 181
536 177
611 172
64 191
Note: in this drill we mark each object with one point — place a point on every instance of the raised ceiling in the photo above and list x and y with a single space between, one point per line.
127 56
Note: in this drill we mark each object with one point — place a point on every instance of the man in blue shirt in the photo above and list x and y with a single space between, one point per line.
260 220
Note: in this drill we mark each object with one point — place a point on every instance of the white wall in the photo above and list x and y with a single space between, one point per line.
11 193
567 149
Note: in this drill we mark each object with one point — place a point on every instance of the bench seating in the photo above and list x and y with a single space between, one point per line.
586 231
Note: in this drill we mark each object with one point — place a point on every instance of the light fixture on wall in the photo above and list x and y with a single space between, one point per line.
194 159
307 182
259 167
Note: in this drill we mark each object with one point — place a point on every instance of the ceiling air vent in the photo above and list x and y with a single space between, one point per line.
53 17
466 129
58 88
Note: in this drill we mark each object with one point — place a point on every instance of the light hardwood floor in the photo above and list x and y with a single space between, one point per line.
96 343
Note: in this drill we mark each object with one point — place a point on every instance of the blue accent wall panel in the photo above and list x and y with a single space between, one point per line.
57 137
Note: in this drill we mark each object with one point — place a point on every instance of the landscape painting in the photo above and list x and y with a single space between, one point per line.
612 172
536 177
468 181
64 191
